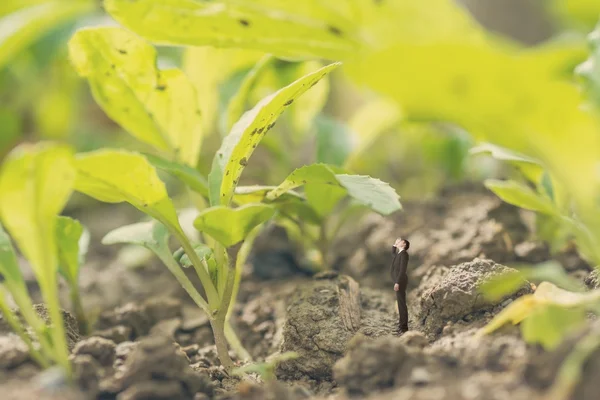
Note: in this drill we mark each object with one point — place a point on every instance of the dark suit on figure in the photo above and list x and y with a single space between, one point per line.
399 276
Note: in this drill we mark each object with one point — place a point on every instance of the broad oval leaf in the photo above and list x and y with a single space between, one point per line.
72 240
143 234
158 107
520 195
227 24
35 184
230 226
373 193
24 26
116 176
529 166
238 146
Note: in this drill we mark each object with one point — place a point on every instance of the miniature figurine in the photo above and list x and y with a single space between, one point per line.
400 278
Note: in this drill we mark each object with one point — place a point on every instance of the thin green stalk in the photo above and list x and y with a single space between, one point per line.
235 343
16 326
82 322
210 290
184 281
49 289
23 301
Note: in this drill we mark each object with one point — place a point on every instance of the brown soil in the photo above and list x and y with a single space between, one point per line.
151 342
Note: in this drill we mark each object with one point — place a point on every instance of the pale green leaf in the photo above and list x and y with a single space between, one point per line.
36 182
334 141
530 167
232 24
238 146
230 226
141 234
370 192
323 198
115 176
69 235
519 195
237 104
203 251
21 28
9 267
550 324
186 174
158 107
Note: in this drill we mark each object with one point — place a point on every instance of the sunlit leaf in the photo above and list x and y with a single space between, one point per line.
530 167
35 184
24 26
517 194
72 247
156 106
116 176
549 324
186 174
228 24
230 226
323 198
238 146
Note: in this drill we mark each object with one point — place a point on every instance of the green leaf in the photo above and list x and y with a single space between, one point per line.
35 183
333 141
230 226
24 26
143 234
371 192
186 174
115 176
238 146
520 195
237 104
9 267
241 24
530 167
257 193
72 247
158 107
550 324
323 198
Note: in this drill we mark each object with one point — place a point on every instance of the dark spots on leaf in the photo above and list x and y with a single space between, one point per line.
235 181
254 131
198 112
220 155
126 110
260 130
222 194
304 181
244 161
227 173
289 102
254 146
314 83
269 127
161 88
145 205
460 85
244 22
329 183
107 73
334 30
113 66
122 51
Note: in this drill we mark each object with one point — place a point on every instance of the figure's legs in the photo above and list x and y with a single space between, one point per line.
402 310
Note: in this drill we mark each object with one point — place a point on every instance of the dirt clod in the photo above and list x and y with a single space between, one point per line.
102 350
450 294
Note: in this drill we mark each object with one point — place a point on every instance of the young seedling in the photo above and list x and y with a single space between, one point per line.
266 370
159 108
35 184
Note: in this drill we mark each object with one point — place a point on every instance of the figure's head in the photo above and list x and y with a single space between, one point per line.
402 244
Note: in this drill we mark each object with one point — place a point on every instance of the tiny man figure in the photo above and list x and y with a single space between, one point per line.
400 278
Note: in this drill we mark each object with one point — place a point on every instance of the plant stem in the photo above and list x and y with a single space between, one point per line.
184 281
16 326
82 322
236 343
49 288
218 328
210 290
